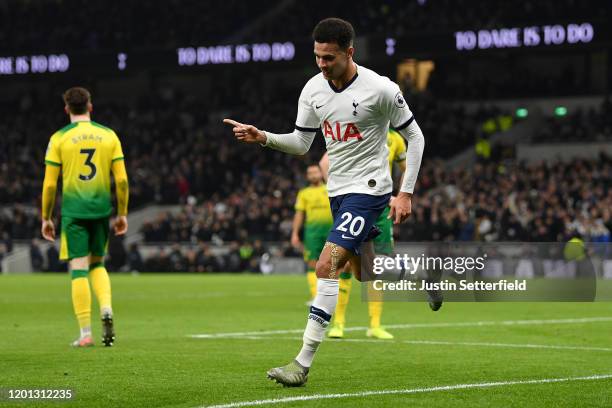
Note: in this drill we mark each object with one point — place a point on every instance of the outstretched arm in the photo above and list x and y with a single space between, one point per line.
298 142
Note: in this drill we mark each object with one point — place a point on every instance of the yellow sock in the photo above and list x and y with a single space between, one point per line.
81 298
344 295
375 311
375 307
311 277
101 286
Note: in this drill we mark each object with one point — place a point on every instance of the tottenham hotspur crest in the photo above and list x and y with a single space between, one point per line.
355 105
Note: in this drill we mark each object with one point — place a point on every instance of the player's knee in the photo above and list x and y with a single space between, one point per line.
323 268
79 263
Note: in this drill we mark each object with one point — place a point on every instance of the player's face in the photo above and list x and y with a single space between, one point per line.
332 60
313 174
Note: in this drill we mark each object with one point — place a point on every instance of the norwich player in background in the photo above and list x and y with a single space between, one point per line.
312 210
86 152
383 245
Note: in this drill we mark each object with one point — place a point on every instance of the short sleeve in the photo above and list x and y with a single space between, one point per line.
307 120
53 155
300 202
394 106
117 150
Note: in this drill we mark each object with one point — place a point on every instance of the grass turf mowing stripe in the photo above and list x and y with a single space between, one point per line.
418 325
440 342
406 391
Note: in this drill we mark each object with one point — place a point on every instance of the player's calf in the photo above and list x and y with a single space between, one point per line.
332 259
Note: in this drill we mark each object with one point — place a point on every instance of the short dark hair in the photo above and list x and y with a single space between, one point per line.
76 99
334 30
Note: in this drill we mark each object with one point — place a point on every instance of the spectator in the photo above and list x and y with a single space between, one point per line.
134 259
36 256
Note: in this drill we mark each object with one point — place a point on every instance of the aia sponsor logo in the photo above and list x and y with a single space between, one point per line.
341 132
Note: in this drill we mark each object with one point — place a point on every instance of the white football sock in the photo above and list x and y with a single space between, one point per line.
106 311
321 311
86 332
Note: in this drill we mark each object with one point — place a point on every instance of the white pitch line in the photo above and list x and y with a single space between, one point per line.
477 344
415 326
443 343
405 391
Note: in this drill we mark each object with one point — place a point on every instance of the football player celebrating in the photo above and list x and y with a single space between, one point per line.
354 106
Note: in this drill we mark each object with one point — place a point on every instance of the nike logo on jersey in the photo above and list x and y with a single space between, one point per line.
319 106
347 237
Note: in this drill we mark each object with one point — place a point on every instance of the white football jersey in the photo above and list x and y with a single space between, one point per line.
354 121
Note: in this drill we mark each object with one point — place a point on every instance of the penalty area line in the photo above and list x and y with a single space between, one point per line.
406 391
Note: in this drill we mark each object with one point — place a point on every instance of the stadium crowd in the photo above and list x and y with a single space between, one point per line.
178 152
231 191
585 125
174 153
248 255
495 201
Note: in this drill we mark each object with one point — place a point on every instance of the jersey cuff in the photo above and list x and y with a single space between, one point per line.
118 158
405 124
52 163
305 129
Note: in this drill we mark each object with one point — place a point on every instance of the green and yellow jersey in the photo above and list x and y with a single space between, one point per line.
383 244
314 202
85 151
397 148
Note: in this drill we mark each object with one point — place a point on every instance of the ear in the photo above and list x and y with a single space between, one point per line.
89 107
66 110
350 52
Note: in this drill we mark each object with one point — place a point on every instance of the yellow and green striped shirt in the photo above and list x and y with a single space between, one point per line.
85 151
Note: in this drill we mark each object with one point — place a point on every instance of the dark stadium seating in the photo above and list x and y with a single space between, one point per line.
132 24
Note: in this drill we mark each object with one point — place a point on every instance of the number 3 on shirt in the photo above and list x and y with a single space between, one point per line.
355 224
89 163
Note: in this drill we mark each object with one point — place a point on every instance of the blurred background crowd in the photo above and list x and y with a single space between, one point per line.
241 197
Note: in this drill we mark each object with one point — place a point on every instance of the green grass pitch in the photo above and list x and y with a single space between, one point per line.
155 363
